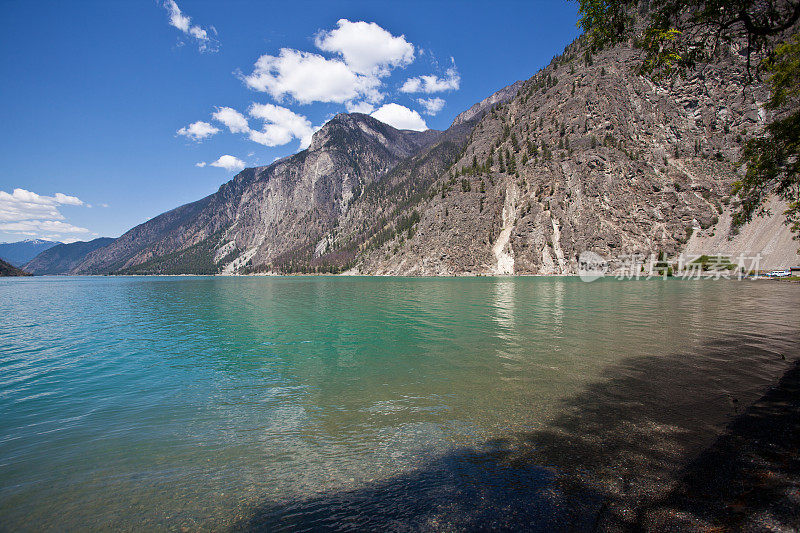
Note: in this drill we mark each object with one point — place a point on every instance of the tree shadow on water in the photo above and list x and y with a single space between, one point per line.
617 448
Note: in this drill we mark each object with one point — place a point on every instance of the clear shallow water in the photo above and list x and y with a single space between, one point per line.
321 402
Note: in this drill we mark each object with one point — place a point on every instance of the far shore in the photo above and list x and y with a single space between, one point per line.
792 279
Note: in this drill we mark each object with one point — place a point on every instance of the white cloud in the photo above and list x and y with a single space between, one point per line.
308 77
431 105
228 162
67 200
37 227
366 53
198 33
432 83
281 125
197 131
27 213
400 117
183 22
359 107
366 47
176 18
235 121
27 205
201 164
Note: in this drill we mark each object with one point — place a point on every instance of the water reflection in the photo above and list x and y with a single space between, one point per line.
558 306
503 313
209 402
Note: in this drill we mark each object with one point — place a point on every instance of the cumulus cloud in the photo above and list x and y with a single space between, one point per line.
197 131
432 83
366 47
359 107
228 162
200 164
179 20
235 121
400 117
281 125
307 77
27 213
364 53
431 105
27 205
349 68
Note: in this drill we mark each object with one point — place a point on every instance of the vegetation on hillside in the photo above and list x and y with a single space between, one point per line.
7 269
196 259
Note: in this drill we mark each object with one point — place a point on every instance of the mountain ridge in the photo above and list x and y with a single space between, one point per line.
584 155
305 182
20 252
63 257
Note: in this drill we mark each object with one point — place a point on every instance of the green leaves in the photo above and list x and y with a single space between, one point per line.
773 166
773 160
784 67
665 56
605 22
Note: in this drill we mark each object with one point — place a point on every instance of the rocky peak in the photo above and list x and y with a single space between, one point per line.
506 94
352 130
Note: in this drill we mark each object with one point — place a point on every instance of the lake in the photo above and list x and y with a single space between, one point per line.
361 403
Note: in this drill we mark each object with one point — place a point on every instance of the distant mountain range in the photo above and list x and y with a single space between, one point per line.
63 258
19 253
585 155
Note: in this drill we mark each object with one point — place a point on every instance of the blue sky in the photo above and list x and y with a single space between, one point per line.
117 111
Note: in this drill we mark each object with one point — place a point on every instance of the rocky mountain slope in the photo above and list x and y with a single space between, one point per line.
589 156
7 269
266 212
64 257
585 155
19 253
272 214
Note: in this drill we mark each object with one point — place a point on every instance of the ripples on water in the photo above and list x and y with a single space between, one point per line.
322 402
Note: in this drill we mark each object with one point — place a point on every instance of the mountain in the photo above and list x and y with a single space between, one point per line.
63 258
585 155
267 214
7 269
591 156
19 253
500 97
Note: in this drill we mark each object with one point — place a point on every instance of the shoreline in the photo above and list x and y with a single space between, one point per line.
408 276
748 479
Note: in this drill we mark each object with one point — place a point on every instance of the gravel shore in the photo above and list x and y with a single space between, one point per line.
749 479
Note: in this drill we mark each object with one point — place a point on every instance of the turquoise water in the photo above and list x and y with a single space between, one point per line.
323 402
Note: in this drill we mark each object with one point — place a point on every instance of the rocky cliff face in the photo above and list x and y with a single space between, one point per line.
585 155
265 213
591 156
